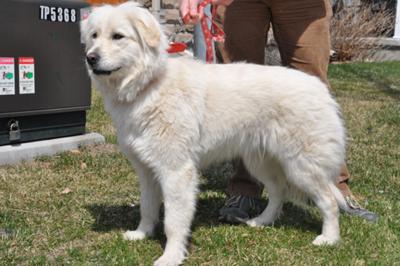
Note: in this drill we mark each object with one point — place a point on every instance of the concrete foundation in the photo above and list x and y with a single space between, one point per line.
12 154
389 50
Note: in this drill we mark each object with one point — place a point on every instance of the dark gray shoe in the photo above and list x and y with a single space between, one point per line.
358 210
237 209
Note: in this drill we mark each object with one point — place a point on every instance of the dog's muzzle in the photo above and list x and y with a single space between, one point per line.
93 59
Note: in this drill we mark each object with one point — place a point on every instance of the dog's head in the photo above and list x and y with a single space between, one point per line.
123 42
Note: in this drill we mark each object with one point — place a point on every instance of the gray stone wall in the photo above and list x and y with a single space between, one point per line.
172 23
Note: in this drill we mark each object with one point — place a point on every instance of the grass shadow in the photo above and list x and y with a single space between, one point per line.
382 77
291 217
216 177
299 218
121 217
111 217
216 180
125 217
382 84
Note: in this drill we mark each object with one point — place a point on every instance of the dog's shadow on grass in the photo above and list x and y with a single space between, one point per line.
111 217
126 217
291 217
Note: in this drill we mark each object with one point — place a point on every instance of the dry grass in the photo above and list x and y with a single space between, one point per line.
354 31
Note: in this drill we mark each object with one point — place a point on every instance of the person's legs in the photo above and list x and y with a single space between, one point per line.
246 24
342 181
301 29
242 183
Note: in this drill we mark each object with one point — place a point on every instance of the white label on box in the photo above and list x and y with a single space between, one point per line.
7 76
58 14
26 75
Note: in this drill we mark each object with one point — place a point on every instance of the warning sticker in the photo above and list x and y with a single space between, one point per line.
7 76
26 75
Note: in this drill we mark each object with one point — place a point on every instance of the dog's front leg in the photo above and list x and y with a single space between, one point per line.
179 189
150 201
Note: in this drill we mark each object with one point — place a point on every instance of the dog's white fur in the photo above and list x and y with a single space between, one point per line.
174 116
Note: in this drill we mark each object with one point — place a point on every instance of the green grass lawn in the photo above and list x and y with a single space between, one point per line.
49 225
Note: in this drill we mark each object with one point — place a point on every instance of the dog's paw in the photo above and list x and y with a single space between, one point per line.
254 223
322 240
166 260
134 235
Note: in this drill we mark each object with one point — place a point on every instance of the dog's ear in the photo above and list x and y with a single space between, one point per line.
144 22
150 33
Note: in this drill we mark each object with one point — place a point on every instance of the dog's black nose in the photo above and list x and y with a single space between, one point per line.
92 59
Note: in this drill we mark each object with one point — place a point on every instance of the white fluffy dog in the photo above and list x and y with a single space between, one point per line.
174 116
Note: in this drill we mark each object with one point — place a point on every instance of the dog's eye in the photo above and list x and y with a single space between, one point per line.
94 35
117 36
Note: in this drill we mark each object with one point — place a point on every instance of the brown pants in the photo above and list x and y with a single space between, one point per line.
301 30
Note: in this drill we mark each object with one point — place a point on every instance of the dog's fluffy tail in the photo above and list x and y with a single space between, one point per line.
339 198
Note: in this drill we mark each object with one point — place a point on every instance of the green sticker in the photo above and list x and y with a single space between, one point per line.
28 75
9 75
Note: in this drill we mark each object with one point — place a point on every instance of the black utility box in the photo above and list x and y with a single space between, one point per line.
44 86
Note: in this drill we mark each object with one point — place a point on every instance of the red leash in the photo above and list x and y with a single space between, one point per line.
210 35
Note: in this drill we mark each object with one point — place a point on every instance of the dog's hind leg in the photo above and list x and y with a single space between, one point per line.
312 180
330 213
150 202
268 173
179 189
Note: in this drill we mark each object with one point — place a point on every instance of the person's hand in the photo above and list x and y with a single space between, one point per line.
191 12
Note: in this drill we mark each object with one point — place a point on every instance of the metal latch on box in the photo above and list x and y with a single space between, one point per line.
14 131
